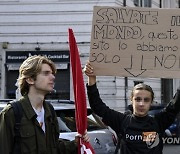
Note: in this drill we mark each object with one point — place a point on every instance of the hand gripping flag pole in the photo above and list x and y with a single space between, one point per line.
79 95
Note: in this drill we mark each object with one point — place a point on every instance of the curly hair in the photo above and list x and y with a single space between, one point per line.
30 68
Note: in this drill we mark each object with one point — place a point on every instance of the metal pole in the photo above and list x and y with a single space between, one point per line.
124 2
160 3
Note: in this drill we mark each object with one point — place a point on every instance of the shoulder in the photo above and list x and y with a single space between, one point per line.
7 114
11 107
128 112
7 109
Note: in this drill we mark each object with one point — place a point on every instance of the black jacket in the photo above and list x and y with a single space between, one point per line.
140 135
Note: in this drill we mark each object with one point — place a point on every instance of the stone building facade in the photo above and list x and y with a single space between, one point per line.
29 27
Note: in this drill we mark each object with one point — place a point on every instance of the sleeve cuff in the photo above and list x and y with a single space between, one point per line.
92 88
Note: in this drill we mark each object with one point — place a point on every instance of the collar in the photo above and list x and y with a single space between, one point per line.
28 109
140 118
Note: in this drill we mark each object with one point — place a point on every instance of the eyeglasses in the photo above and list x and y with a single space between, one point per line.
139 99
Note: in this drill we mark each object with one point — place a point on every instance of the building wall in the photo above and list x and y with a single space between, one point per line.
27 24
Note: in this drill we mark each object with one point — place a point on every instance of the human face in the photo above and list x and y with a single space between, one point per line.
141 102
45 80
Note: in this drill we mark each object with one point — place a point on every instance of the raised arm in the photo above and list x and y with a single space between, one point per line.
109 116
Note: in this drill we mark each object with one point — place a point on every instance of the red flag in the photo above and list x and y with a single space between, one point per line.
79 95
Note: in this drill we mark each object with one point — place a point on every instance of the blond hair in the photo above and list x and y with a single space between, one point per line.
30 68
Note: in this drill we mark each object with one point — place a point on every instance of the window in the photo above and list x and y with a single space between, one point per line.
143 3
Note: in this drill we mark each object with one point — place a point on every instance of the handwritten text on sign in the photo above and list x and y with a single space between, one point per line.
142 42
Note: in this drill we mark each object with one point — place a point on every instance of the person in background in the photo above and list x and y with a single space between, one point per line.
39 129
139 133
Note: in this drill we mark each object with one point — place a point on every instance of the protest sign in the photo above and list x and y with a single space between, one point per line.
136 42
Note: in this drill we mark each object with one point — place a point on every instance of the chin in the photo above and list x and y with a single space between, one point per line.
141 114
52 91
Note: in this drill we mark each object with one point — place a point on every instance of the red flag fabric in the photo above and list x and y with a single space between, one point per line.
79 95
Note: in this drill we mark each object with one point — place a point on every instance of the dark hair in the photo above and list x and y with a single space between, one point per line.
142 86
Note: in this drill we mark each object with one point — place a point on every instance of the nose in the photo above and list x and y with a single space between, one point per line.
141 102
53 76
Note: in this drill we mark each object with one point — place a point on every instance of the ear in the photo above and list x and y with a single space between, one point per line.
30 81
